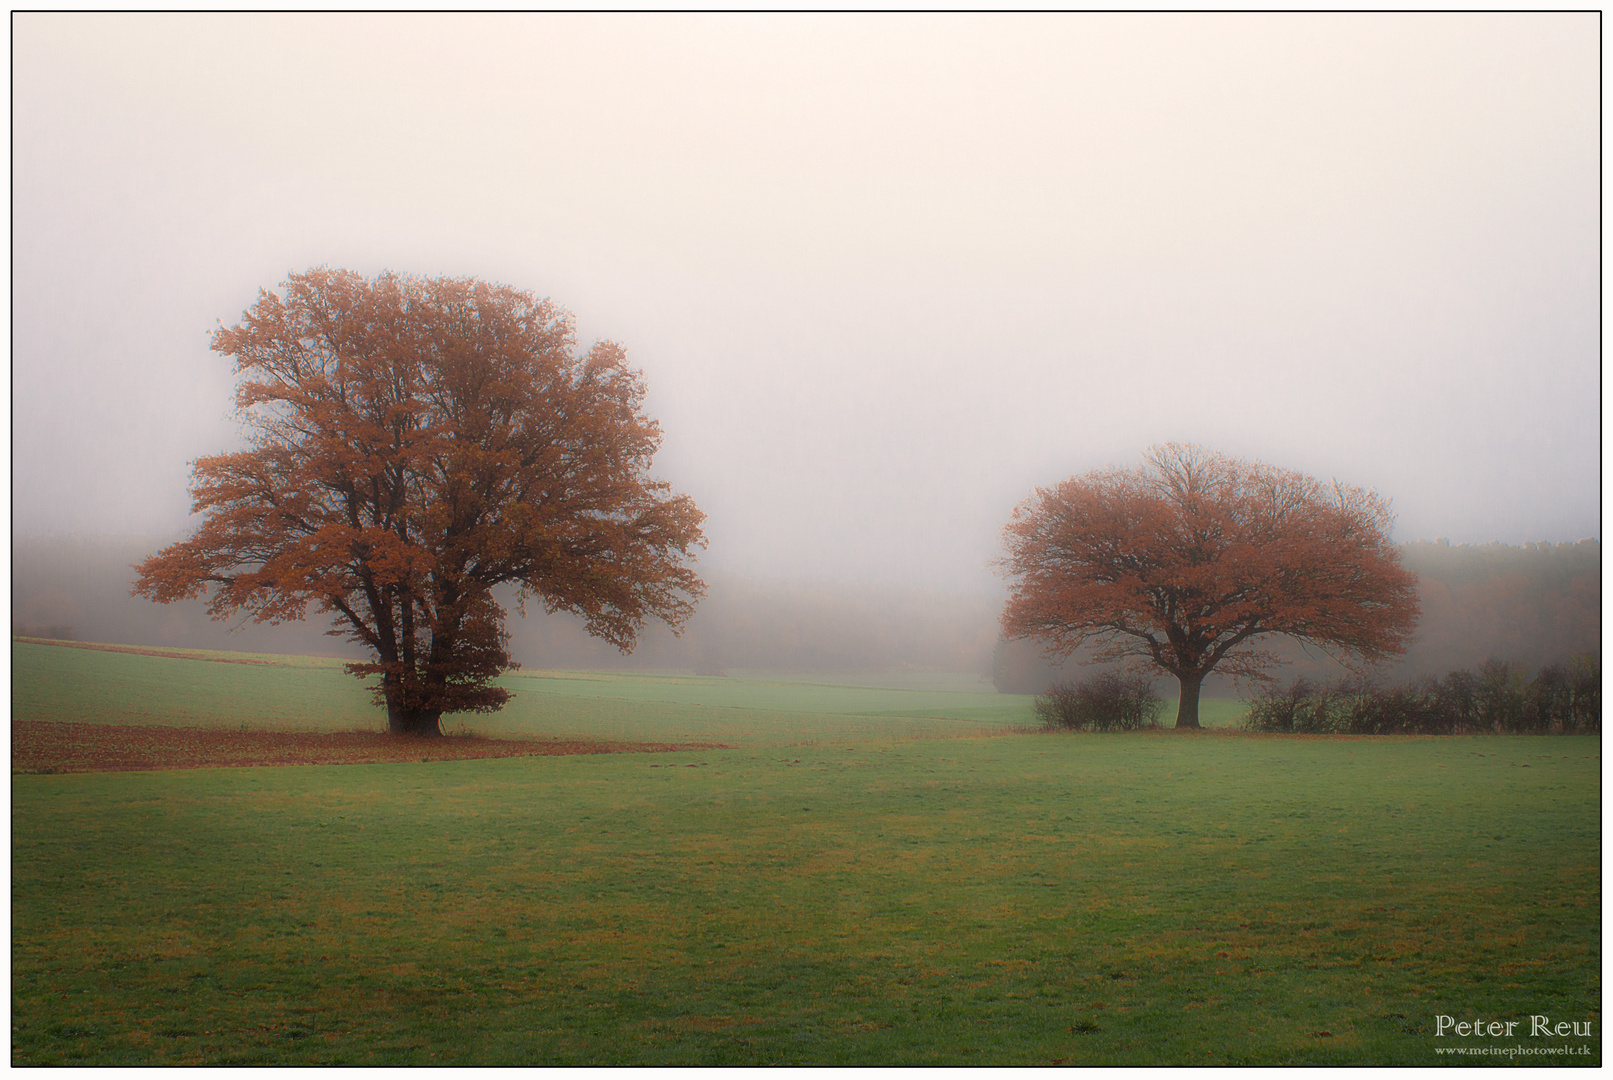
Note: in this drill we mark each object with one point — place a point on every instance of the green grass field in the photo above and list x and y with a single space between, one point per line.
315 694
835 891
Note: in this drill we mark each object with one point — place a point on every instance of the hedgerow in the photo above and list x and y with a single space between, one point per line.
1561 699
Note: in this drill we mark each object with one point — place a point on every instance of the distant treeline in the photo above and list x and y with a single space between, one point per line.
65 588
1530 606
78 588
1533 605
744 625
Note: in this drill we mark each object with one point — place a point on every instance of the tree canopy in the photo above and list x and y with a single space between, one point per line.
414 443
1190 560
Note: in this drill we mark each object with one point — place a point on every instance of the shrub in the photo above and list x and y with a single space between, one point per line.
1565 699
1302 707
1498 698
1456 701
1584 705
1107 701
1370 709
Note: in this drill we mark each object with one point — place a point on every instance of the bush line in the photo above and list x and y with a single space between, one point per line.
1499 698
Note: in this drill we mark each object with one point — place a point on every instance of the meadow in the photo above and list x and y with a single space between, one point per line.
899 874
303 693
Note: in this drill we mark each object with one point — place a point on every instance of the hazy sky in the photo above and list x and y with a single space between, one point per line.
884 274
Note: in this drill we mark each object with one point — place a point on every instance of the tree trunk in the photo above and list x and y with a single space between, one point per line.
1187 712
401 721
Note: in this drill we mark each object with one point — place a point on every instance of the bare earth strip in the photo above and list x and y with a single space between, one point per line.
142 650
51 747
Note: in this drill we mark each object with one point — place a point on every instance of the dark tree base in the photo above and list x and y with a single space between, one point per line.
420 725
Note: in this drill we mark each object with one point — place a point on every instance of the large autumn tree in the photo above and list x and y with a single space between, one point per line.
413 444
1189 561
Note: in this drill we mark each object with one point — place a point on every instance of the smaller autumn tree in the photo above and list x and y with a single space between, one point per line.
1191 560
414 444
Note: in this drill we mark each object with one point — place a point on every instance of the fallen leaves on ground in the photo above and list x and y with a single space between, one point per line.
52 747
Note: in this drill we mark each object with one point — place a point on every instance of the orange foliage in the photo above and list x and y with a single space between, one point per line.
1189 561
415 443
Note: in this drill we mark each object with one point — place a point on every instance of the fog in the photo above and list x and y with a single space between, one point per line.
884 274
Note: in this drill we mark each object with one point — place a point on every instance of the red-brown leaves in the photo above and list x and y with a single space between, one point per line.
414 444
1191 559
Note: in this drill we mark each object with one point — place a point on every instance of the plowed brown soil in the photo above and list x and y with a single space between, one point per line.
47 747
